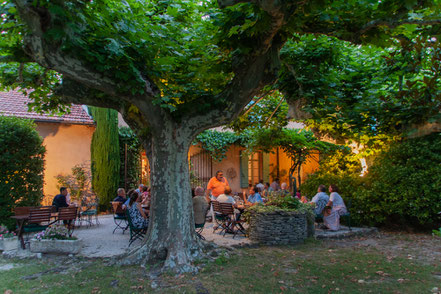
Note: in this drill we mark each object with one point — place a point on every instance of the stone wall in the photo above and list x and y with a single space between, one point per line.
278 227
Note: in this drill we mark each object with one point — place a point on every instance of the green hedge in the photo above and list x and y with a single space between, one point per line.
105 155
402 188
21 166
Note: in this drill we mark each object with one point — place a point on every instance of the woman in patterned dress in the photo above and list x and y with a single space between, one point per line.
137 214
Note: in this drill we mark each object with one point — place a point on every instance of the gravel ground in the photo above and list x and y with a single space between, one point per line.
100 241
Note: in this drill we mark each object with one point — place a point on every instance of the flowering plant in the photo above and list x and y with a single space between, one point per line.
4 232
58 232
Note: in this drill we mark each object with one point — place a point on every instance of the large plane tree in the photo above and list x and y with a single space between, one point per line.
174 68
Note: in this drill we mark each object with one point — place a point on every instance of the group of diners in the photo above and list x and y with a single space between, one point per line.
137 203
219 190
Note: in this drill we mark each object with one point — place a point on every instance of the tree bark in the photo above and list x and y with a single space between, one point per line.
171 239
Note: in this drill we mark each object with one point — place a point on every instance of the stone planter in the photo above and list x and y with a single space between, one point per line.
56 246
278 227
9 244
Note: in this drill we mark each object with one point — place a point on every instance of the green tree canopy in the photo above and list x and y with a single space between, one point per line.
175 68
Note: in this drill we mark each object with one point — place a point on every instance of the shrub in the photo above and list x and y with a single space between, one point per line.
404 184
78 183
105 155
402 187
21 166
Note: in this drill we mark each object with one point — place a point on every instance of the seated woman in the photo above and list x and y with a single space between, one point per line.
137 214
145 202
333 210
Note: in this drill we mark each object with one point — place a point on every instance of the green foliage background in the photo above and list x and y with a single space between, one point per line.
105 155
21 166
127 136
401 189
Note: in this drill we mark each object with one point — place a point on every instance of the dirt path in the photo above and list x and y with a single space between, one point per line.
420 247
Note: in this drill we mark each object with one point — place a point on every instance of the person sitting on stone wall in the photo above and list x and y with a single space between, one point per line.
320 200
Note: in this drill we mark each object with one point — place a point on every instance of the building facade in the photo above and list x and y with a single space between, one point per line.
67 138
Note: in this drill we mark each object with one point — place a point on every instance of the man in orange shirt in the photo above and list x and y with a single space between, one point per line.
216 185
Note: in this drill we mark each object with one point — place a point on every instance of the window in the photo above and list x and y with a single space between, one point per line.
255 173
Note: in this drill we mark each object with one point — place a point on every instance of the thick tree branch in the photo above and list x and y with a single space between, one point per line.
49 55
71 91
395 23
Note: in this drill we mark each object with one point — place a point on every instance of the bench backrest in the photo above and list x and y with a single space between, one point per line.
22 210
39 215
67 213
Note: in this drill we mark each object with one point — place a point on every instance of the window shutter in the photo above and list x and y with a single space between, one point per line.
265 167
243 170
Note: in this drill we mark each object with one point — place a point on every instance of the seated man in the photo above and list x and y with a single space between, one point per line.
320 200
120 198
254 197
60 199
200 206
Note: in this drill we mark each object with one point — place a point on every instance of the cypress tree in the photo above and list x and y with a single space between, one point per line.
105 155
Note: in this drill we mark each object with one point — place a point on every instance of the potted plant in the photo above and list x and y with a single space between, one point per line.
55 239
8 240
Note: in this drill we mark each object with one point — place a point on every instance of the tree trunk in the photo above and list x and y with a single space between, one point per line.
171 238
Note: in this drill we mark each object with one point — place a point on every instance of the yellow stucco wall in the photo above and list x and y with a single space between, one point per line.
231 166
66 146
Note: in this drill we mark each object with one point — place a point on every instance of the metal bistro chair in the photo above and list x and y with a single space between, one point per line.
68 215
200 227
135 233
232 225
219 217
119 217
88 212
347 215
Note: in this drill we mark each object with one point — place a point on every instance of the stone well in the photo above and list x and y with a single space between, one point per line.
278 227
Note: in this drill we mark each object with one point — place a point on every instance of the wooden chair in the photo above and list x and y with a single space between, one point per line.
219 217
232 225
119 217
68 215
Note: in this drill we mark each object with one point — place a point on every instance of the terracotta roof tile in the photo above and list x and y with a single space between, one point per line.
14 103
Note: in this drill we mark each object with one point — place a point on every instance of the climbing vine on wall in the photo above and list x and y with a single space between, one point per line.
217 143
130 162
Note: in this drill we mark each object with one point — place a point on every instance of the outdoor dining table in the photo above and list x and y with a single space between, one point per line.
21 220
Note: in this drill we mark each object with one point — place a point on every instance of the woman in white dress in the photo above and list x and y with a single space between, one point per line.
335 208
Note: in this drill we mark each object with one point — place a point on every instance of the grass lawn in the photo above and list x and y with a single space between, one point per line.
315 267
